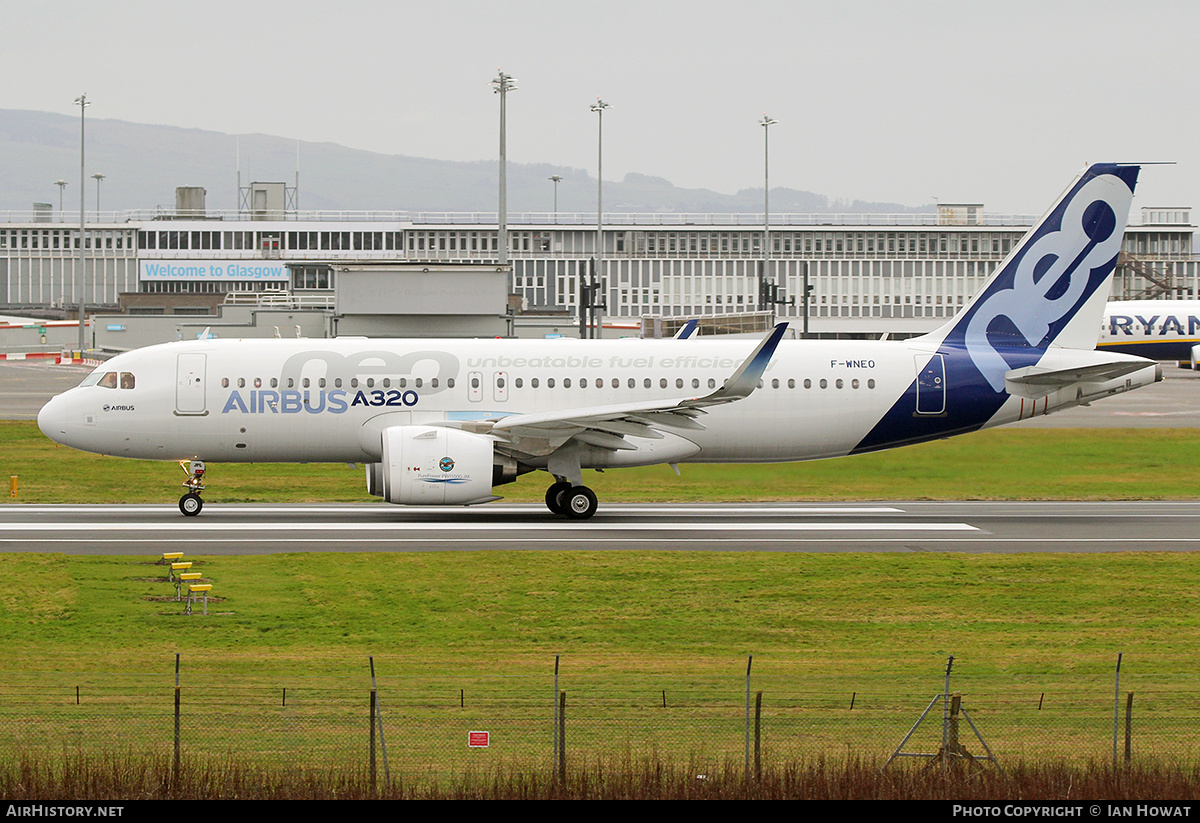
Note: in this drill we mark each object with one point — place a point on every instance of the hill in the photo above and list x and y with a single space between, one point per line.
144 163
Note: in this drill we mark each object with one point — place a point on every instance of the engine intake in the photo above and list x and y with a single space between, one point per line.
430 465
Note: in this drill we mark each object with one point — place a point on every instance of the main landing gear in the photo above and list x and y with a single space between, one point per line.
575 502
191 503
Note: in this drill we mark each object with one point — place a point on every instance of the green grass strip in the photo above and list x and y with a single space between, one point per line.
882 617
998 464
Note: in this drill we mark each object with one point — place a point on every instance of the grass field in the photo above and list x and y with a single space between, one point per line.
878 615
507 606
634 629
653 652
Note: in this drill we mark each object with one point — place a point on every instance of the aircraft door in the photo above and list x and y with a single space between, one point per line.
931 385
189 384
500 386
475 386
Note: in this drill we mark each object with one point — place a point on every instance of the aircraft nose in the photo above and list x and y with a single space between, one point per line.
52 419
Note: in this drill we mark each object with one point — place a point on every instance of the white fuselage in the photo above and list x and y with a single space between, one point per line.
329 400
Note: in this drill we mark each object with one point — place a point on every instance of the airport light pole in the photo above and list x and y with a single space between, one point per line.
592 303
97 177
81 281
555 178
62 184
502 85
764 290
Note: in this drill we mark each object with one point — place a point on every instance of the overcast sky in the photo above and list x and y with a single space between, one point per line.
992 102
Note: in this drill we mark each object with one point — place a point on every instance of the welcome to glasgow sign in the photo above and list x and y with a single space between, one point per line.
224 270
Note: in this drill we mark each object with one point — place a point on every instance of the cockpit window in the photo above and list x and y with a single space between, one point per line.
109 379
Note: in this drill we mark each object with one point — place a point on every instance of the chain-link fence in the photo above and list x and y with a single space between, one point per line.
443 722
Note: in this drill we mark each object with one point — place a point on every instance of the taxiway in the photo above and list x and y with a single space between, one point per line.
883 527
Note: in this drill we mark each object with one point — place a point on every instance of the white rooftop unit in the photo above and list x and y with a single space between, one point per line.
267 201
959 214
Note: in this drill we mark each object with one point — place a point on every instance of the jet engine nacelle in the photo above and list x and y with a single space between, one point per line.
430 465
375 479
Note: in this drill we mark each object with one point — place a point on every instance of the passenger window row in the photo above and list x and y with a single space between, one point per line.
680 383
534 382
336 383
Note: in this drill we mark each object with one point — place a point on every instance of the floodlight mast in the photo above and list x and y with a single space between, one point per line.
588 296
764 291
555 178
97 177
502 85
81 281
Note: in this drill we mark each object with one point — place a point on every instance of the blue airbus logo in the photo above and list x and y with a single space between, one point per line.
368 365
294 401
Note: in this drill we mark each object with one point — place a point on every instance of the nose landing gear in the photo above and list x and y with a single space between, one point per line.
191 503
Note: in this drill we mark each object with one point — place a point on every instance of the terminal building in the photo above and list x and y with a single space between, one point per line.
266 270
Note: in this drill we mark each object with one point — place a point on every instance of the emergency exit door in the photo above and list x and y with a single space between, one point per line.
189 384
931 385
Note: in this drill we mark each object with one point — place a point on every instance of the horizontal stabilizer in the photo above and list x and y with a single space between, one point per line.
1036 381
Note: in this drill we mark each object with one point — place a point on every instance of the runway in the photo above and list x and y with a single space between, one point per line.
1006 527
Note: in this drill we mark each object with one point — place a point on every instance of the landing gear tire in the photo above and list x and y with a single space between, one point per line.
580 502
191 504
554 497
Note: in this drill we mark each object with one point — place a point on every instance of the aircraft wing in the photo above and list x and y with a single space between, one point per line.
608 426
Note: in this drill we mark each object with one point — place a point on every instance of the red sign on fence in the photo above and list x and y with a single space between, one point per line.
478 740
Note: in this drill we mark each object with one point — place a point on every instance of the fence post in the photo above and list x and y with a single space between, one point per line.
387 772
946 710
749 662
1116 709
1128 729
371 713
557 719
175 766
562 736
758 736
955 708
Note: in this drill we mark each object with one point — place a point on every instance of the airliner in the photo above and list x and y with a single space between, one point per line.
1159 329
446 422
